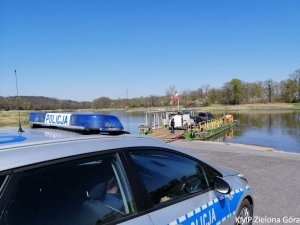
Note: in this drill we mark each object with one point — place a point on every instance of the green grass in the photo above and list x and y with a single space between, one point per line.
296 106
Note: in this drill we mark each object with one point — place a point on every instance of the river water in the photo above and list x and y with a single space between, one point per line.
276 129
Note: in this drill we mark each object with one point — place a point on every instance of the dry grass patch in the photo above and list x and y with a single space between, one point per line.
11 118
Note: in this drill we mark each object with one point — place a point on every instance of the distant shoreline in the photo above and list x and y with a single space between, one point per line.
10 117
232 108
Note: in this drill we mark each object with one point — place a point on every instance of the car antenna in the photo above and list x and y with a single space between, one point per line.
18 103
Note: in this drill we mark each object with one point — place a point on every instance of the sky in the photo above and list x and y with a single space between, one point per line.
85 49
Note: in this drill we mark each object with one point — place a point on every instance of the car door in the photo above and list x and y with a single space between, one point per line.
86 191
180 189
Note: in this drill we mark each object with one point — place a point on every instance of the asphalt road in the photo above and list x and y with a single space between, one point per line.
274 176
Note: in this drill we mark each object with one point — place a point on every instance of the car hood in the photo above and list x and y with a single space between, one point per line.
226 171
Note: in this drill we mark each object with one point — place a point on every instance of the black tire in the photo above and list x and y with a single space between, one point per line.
245 212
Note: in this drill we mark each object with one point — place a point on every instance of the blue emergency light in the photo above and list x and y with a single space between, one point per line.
81 121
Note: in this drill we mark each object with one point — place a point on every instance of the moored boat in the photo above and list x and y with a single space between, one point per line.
157 125
208 129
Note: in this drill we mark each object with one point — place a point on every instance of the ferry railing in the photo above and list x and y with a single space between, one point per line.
210 124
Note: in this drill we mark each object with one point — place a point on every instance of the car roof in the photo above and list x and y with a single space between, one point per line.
37 145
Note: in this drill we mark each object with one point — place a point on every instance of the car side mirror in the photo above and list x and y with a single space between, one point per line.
221 186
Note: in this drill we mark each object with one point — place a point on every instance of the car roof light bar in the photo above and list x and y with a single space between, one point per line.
81 121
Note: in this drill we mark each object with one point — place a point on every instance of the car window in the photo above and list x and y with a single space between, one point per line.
2 179
168 176
211 174
85 192
202 114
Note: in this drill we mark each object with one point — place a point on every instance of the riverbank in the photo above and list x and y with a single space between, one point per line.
252 107
231 108
273 175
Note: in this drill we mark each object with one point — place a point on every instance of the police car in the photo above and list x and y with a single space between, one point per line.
61 172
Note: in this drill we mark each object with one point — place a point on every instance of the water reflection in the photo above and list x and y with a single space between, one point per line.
279 130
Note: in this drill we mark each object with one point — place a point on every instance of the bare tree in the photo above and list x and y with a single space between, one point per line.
296 77
288 89
254 91
171 91
205 89
186 97
269 84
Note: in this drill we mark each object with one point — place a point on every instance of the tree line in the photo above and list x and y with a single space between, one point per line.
233 92
40 103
